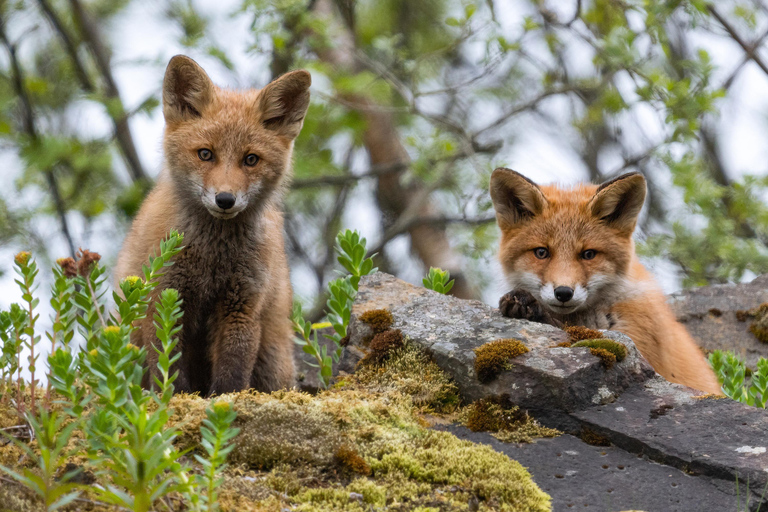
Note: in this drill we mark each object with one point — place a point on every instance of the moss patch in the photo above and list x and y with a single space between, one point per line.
591 437
494 357
506 422
358 446
579 333
411 372
618 350
378 319
382 344
608 358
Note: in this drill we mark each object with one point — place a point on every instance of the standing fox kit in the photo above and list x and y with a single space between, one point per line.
570 259
227 158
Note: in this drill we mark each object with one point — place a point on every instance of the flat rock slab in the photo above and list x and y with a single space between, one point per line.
547 378
579 476
717 437
709 314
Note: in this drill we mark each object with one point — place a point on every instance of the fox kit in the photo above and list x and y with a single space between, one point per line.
570 259
227 159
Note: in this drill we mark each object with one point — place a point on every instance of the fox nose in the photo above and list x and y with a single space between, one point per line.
225 200
563 293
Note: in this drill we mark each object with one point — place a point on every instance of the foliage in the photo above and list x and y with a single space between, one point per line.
438 280
408 118
732 374
97 390
352 251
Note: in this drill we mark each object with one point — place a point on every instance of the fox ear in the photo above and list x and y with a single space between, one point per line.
618 202
186 89
284 102
515 197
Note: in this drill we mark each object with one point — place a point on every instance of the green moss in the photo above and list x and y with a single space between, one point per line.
618 350
507 422
494 357
378 319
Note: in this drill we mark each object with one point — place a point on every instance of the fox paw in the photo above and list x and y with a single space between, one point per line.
522 305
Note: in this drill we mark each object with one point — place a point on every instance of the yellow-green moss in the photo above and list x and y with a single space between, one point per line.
494 357
310 452
579 333
411 372
508 423
614 347
378 319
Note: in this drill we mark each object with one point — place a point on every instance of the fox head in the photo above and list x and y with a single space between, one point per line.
571 249
227 150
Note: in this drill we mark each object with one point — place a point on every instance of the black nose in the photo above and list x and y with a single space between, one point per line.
563 293
225 200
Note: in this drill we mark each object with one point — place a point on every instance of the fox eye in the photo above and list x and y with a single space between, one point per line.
205 154
588 254
251 160
541 253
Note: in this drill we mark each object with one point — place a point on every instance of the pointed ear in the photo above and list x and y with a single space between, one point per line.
284 102
618 202
186 89
515 197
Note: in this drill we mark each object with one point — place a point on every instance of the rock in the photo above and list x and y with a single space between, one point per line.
709 314
548 379
582 477
668 423
628 405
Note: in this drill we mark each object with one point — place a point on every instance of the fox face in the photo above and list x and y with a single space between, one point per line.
228 151
571 249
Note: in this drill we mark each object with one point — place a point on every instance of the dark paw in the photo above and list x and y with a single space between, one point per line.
522 305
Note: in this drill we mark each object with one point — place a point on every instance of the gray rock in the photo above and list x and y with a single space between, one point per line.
668 423
548 378
709 314
606 478
629 405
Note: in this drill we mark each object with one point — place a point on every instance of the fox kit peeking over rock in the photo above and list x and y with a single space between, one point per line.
227 159
569 258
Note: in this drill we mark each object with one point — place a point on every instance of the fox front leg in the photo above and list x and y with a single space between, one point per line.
235 336
522 305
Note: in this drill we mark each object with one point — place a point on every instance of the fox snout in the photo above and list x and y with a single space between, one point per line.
563 298
224 204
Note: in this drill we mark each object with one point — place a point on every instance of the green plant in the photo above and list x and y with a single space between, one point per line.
732 375
49 482
342 291
217 435
99 390
438 280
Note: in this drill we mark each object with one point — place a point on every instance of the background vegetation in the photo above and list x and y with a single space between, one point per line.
414 104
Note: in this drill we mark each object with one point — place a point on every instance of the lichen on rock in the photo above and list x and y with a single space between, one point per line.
494 357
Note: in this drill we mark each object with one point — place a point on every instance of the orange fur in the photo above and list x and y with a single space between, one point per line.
233 272
611 288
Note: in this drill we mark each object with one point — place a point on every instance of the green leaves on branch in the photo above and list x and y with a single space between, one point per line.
438 280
